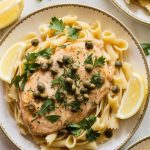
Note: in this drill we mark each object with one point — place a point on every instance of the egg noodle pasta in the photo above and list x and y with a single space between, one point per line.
68 84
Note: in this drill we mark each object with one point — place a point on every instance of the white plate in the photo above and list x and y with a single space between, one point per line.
134 11
135 56
143 144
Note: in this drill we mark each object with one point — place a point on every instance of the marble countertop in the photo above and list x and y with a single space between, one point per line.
141 31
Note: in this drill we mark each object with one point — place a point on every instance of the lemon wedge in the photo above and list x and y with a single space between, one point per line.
132 98
10 11
10 61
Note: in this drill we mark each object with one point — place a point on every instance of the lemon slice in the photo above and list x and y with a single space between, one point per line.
132 98
10 11
10 61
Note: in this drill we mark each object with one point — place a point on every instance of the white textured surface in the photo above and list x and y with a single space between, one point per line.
140 31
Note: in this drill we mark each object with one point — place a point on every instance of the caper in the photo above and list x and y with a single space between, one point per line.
102 80
92 86
77 92
118 64
53 71
74 68
41 87
108 133
35 42
60 63
50 62
86 96
43 95
44 66
66 59
36 94
88 67
86 84
73 87
31 107
83 90
69 81
80 97
115 89
78 28
89 45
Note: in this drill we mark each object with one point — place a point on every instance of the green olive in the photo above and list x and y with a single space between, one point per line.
108 133
115 89
66 59
83 90
118 64
89 45
86 96
60 63
50 62
41 87
53 71
92 86
74 68
35 42
44 67
86 84
69 81
88 67
36 94
31 107
43 95
102 80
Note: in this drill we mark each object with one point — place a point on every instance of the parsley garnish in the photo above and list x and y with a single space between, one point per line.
53 118
47 106
96 80
73 33
75 106
92 135
89 60
58 80
99 61
59 95
146 48
57 25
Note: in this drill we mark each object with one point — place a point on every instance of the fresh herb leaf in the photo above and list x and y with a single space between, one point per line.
53 118
58 80
89 60
74 129
47 106
73 33
59 95
23 82
146 48
75 106
99 61
96 80
71 74
31 67
92 135
57 24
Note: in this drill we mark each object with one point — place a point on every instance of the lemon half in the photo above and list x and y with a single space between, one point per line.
10 11
10 61
132 98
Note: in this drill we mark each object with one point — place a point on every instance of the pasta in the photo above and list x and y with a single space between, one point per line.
55 121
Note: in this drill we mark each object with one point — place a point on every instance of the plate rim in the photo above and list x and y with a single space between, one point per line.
129 14
13 27
138 142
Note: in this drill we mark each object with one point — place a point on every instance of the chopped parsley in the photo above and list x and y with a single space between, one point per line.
146 48
53 118
96 79
57 25
58 80
89 60
59 95
99 61
75 106
92 135
47 106
73 33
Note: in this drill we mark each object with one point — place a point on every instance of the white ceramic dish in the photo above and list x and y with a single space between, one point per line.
135 56
134 11
143 144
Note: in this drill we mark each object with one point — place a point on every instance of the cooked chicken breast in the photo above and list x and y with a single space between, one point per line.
40 125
